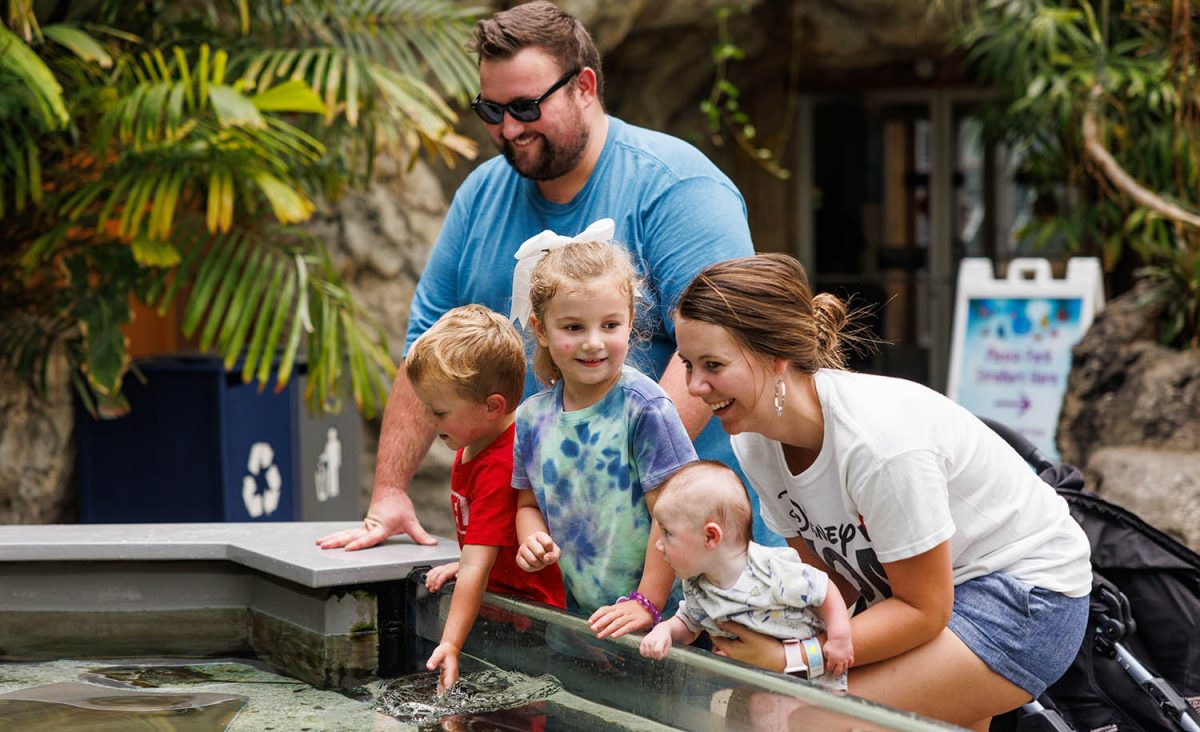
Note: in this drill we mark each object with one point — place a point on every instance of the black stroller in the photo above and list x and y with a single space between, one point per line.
1139 667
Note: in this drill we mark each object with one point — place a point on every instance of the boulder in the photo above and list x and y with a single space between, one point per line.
1131 419
1126 390
1160 486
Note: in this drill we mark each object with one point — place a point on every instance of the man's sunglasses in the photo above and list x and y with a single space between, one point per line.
522 110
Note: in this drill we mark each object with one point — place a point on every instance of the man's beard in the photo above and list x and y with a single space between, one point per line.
555 160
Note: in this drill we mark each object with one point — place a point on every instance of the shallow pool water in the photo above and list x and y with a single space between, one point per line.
235 695
273 702
556 676
67 705
494 699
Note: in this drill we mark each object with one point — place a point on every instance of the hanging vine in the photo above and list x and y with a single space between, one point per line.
723 109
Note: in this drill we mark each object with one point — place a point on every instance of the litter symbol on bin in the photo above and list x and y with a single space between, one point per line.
262 461
329 465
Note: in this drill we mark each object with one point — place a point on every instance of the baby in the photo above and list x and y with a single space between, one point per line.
704 514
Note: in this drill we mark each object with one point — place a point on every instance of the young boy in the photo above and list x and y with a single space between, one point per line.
468 370
704 514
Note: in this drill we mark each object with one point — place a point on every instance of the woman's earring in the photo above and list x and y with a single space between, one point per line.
780 396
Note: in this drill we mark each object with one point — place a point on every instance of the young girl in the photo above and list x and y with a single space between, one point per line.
591 448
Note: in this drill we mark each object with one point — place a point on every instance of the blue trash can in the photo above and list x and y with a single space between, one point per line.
197 445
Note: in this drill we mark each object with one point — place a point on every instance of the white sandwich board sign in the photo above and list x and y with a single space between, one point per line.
1011 349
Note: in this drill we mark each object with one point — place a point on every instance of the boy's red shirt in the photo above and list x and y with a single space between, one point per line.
485 513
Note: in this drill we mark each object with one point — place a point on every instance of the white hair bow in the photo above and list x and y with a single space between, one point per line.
534 248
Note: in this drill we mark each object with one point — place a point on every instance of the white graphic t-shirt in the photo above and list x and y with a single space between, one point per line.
902 469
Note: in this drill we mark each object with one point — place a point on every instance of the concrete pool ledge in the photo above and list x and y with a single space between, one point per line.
124 590
286 550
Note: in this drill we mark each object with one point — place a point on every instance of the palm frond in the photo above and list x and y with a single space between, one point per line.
22 17
80 43
257 300
369 61
183 136
44 92
152 152
416 37
20 166
354 86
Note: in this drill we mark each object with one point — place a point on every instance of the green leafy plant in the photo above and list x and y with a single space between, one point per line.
722 108
167 152
1102 97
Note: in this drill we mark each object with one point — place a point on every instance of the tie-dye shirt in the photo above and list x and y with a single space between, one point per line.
589 470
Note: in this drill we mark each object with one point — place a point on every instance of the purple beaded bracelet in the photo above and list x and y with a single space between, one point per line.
640 599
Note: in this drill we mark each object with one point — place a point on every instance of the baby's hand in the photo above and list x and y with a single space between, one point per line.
538 551
839 654
440 575
445 656
656 643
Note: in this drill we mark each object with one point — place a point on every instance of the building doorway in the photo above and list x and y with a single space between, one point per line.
894 189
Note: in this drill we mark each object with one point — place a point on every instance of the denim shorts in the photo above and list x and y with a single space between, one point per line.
1026 634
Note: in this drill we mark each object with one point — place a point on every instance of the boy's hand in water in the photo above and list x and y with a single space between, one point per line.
446 657
613 621
538 551
440 575
657 642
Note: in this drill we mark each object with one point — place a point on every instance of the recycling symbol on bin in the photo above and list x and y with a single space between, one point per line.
261 462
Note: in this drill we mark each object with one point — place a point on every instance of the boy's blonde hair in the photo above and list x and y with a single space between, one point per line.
474 349
575 265
707 490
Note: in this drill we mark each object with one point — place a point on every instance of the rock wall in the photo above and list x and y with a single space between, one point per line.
37 449
1160 486
379 241
1125 389
1131 419
841 34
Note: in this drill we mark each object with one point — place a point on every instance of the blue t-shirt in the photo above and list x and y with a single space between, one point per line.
590 469
675 211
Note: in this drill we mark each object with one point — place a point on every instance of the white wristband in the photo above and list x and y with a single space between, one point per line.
816 659
793 658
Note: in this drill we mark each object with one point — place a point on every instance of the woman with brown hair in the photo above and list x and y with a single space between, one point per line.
973 574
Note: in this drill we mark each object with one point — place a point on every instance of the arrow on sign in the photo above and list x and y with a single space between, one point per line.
1020 404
